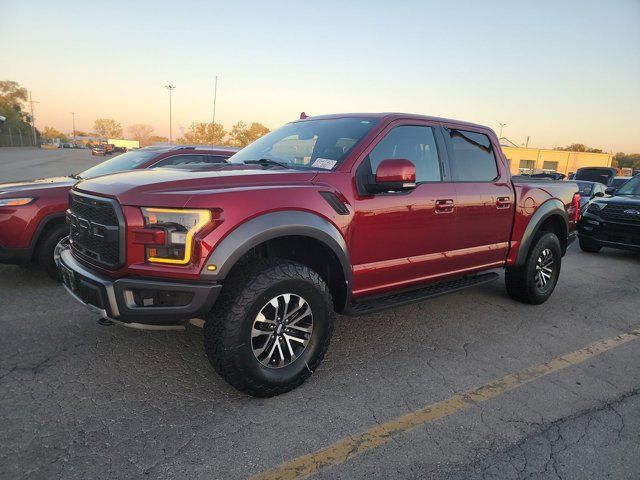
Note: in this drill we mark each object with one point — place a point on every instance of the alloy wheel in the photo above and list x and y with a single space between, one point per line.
281 331
544 269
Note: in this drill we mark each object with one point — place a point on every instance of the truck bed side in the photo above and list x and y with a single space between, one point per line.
541 204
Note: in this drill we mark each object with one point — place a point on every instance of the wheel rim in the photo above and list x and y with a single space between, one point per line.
545 268
61 245
281 331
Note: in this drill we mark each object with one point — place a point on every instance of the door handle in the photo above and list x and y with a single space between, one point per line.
503 202
444 206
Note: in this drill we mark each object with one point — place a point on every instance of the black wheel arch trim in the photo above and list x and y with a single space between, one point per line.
274 225
553 207
42 226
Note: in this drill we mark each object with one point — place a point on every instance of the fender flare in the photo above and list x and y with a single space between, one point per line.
548 209
44 224
273 225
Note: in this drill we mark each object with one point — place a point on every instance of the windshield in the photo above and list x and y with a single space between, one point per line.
126 161
311 144
632 187
585 189
618 182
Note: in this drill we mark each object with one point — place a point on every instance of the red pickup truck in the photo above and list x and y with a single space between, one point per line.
32 213
348 213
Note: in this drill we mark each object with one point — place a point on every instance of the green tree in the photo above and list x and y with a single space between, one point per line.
579 147
12 100
141 132
242 135
203 133
157 139
632 160
50 133
107 128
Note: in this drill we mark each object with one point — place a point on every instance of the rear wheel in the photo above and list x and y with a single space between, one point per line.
535 281
589 245
271 327
49 248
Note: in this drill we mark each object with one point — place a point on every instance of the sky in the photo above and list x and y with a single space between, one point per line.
560 72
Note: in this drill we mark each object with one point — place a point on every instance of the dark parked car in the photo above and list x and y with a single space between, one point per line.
602 175
613 221
98 150
616 183
549 175
588 191
32 213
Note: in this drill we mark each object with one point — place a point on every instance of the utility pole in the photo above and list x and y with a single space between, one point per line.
213 122
170 88
73 115
502 125
33 120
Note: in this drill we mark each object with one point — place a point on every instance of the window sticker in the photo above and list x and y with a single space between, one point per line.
324 163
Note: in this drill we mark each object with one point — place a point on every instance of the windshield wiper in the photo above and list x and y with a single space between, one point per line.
267 162
75 176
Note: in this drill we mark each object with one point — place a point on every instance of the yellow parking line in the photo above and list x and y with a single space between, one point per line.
349 447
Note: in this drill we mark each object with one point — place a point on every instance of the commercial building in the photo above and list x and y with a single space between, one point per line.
537 160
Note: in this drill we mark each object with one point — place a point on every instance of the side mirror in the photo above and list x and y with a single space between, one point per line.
598 194
610 191
393 175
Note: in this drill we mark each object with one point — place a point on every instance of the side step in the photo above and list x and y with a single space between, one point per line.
372 305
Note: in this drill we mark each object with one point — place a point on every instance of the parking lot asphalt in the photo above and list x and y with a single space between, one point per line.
79 400
24 163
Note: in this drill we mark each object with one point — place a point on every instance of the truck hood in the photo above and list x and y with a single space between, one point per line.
165 187
25 187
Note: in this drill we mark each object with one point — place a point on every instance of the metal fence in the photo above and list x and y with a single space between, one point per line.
16 137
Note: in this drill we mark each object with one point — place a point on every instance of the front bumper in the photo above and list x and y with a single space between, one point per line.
127 299
620 235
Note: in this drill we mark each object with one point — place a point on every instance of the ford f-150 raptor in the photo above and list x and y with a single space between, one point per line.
350 213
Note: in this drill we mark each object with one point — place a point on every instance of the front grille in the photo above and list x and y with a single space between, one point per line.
95 230
621 213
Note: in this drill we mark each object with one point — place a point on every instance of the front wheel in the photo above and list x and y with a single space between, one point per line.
271 327
50 247
535 281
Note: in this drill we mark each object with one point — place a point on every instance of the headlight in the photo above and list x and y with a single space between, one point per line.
595 207
16 202
179 226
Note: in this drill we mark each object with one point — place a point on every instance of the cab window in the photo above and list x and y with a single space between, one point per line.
473 157
414 143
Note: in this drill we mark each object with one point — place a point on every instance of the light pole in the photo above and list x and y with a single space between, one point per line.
213 121
33 120
502 125
170 88
73 116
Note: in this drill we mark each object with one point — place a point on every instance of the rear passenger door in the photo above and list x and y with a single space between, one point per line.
484 199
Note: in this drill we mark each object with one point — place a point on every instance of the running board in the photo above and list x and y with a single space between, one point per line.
396 299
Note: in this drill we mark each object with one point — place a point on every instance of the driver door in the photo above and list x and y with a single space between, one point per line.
403 238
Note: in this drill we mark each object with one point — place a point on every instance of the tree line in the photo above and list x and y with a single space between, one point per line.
199 133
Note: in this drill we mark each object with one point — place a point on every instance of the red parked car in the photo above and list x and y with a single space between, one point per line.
339 213
32 213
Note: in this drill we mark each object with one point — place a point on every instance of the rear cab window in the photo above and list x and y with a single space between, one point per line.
473 156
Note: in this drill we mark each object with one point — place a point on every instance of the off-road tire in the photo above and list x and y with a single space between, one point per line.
227 330
588 245
46 247
521 282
